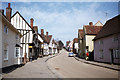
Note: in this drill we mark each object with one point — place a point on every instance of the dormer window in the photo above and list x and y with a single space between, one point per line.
5 29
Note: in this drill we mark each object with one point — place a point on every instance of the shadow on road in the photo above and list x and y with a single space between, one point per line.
11 68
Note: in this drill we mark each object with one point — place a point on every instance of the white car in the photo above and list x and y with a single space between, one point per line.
71 54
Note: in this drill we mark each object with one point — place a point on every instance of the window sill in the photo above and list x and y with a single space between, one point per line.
5 59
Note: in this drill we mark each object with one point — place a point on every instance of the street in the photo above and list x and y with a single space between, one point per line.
35 69
60 66
68 67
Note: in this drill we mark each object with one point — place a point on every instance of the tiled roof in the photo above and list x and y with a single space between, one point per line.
67 43
54 42
91 29
111 27
75 40
22 18
10 26
80 31
47 38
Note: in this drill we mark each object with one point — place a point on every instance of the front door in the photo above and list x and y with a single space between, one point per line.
112 58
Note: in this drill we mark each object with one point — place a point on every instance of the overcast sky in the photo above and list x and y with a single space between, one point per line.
63 19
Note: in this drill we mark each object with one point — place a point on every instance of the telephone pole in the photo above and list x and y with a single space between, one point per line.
106 14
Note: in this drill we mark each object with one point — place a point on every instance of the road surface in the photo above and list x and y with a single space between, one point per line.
35 69
69 67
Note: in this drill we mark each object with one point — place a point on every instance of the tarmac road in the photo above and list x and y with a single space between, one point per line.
69 67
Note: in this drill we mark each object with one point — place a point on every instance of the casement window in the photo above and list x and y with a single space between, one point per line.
17 37
17 52
6 52
116 53
100 42
101 54
5 29
115 38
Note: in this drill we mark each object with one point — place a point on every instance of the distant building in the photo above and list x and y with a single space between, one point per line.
46 42
37 38
54 47
89 32
60 45
107 42
67 43
11 52
70 46
75 45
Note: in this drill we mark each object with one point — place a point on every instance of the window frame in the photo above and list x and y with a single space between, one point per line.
115 38
100 42
16 52
116 54
17 37
101 54
5 29
6 48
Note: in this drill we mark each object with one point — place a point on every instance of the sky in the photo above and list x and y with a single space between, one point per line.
63 19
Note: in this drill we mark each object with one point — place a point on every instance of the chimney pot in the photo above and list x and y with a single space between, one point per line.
42 31
31 22
35 29
8 12
47 33
8 5
2 11
91 23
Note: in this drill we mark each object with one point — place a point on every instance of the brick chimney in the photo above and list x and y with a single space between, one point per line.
31 22
35 29
91 23
2 11
42 31
47 33
8 12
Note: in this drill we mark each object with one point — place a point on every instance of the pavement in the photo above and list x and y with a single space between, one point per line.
35 69
105 65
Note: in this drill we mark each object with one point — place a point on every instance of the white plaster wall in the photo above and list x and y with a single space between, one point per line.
0 43
19 23
76 45
10 40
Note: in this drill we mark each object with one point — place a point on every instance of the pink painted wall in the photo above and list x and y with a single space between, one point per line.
108 42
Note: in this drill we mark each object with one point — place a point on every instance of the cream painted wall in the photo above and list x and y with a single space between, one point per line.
81 48
89 42
10 40
0 43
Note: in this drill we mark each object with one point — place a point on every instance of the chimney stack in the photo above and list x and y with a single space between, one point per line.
8 12
35 29
42 31
91 23
31 22
2 11
47 33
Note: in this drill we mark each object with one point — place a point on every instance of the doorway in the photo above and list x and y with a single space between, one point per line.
112 58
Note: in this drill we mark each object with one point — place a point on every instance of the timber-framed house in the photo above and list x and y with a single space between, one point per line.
29 41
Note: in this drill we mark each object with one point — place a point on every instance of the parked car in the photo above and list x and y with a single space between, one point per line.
71 54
